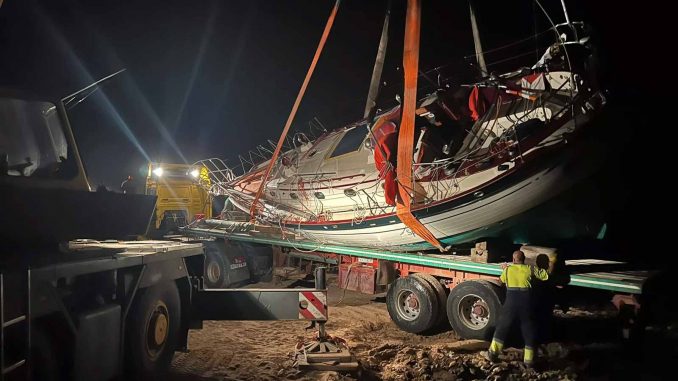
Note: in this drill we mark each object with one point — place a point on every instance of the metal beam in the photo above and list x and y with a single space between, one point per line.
593 279
261 304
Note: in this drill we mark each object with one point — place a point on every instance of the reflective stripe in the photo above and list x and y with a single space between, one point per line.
496 346
517 288
529 355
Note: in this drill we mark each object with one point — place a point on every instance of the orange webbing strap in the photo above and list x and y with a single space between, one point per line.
323 39
406 134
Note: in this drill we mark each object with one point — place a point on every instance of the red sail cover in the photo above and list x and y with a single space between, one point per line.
385 159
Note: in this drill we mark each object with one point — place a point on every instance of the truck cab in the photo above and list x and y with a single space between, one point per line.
43 182
182 195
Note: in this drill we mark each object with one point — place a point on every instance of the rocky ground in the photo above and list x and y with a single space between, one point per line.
587 348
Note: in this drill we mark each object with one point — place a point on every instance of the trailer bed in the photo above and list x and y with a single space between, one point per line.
588 273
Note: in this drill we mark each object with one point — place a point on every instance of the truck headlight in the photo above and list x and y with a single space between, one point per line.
158 171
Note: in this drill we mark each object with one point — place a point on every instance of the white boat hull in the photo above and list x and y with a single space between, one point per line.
482 216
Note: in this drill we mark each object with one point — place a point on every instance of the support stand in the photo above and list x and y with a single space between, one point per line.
325 352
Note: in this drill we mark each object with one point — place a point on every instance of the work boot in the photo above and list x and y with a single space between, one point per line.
490 356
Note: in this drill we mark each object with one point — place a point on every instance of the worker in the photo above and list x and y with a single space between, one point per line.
518 307
543 299
127 186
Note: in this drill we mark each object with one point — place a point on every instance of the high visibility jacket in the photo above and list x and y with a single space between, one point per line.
518 276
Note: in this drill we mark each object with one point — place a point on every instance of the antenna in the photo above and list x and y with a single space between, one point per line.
70 98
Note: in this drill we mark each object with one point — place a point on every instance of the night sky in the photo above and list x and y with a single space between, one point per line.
215 78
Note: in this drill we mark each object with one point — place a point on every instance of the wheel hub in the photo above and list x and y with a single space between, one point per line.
157 330
213 272
408 305
474 311
480 312
480 309
412 302
160 329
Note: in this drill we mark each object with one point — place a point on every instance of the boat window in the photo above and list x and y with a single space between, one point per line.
351 141
32 142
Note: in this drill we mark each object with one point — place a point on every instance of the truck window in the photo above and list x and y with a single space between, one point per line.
32 142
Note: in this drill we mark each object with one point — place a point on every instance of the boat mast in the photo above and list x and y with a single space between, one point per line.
567 17
567 20
371 103
476 41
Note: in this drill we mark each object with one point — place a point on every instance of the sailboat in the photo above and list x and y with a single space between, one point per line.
452 166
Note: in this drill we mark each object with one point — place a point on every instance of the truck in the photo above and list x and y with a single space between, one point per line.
181 196
76 301
185 194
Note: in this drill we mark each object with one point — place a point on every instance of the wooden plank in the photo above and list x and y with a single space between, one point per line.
329 366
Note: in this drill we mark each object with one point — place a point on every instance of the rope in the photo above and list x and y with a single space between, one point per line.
509 45
348 274
293 112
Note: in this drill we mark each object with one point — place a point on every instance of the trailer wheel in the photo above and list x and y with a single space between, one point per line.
412 304
473 309
154 322
215 267
441 295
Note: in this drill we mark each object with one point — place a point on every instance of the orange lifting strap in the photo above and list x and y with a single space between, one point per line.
323 39
406 134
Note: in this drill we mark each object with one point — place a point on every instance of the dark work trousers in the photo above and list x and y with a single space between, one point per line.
543 301
518 308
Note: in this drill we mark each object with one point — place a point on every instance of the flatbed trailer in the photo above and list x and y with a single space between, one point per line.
427 289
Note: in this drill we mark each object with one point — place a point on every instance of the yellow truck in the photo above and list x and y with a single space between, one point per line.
182 196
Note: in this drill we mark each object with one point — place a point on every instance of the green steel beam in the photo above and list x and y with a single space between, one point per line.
409 258
580 280
588 281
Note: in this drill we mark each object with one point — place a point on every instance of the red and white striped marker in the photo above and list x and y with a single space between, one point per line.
312 305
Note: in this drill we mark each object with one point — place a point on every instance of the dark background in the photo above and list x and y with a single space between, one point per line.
215 78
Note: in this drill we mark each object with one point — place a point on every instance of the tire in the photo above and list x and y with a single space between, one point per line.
215 266
441 294
412 304
154 322
473 309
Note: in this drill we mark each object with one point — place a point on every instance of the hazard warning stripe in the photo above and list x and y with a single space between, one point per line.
315 303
